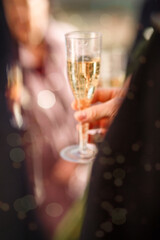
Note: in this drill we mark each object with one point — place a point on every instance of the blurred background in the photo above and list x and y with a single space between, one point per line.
117 20
45 106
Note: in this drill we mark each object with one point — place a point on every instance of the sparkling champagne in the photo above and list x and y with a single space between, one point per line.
83 76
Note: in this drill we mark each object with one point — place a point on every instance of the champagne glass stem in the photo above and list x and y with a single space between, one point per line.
83 137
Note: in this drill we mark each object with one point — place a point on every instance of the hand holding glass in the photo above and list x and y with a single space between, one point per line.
83 67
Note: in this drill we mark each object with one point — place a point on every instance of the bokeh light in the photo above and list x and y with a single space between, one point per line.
17 154
14 139
54 210
46 99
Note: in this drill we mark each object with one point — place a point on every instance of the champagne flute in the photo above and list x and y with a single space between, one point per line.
14 92
83 67
18 98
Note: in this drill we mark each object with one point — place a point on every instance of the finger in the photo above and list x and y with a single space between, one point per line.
102 123
99 111
105 94
101 95
97 131
80 104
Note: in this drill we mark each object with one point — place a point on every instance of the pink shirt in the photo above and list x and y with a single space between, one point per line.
50 121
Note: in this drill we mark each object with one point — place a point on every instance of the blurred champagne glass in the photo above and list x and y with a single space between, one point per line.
14 93
83 67
18 99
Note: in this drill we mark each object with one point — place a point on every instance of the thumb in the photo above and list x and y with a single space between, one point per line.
99 111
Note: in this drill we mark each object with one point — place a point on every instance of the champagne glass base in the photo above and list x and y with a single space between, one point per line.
73 154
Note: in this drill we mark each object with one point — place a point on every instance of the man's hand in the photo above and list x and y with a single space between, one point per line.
106 103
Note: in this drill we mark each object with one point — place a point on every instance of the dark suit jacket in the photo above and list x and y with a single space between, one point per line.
124 194
17 205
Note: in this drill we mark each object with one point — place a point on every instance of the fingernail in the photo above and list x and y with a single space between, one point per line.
81 115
